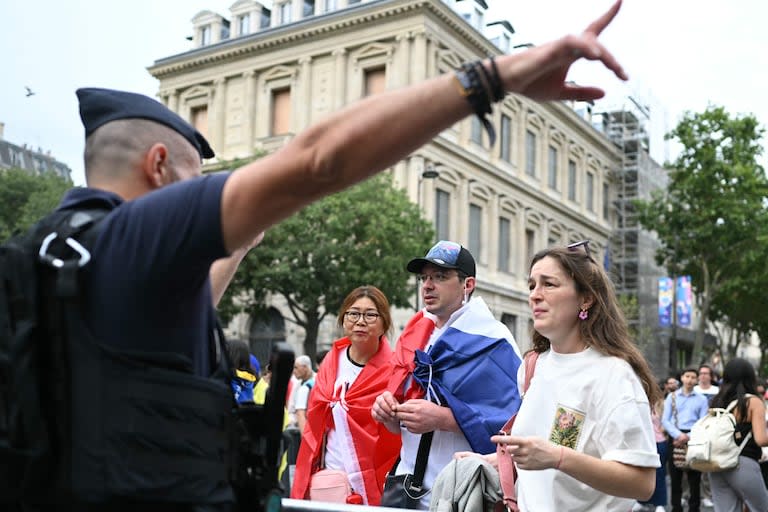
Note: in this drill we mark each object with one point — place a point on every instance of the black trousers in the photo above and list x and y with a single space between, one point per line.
694 487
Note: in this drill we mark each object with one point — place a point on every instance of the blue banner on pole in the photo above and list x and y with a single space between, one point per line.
666 298
684 300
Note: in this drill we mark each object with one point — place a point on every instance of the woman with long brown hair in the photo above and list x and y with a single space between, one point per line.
583 438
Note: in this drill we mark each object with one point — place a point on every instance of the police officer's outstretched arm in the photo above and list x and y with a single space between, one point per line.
378 131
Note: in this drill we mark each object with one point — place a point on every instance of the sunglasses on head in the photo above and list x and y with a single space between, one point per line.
582 244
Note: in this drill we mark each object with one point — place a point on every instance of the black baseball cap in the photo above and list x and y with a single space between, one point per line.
101 106
446 254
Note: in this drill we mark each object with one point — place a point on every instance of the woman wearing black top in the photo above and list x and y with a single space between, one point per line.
733 489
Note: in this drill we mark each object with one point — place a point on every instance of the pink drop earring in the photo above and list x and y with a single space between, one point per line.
583 314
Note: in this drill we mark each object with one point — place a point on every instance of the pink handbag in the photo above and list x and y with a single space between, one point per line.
507 471
331 485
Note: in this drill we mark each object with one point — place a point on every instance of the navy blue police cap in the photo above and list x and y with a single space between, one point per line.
101 106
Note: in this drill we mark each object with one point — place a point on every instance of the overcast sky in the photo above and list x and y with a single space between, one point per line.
680 55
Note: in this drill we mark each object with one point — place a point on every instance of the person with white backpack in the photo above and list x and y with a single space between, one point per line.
742 486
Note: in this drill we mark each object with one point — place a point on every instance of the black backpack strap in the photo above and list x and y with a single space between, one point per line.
66 247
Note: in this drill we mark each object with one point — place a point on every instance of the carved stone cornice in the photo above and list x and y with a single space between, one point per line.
369 13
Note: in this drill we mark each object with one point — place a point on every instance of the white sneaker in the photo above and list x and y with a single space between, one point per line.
660 509
706 502
637 507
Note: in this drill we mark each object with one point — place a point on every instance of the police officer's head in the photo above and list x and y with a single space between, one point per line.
135 143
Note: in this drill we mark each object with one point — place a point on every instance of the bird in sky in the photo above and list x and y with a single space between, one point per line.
30 92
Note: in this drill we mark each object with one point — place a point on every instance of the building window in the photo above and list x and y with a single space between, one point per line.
329 5
281 111
606 201
590 192
243 24
571 180
552 163
375 81
479 19
224 34
351 2
198 117
475 229
530 248
266 18
530 153
309 8
510 321
442 214
504 244
17 159
505 137
285 13
476 131
205 35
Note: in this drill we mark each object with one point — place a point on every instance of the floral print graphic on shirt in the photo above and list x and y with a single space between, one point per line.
566 428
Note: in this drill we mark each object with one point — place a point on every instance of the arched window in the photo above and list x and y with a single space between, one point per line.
265 332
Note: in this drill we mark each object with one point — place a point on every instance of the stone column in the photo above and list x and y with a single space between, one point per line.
305 95
173 100
249 108
419 58
219 115
340 78
402 67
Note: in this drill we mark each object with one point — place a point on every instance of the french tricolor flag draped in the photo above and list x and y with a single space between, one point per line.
471 368
370 449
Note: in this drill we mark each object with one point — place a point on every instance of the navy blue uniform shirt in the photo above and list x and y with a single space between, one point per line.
147 288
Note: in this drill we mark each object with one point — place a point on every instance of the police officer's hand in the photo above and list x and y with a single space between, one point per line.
384 411
420 416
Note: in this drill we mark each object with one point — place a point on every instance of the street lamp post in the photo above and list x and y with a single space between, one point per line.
429 173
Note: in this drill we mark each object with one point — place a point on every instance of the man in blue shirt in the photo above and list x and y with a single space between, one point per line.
682 409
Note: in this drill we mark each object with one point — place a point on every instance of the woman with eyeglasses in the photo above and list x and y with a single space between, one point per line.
340 432
583 439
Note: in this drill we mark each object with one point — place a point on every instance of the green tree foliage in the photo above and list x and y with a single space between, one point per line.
25 198
364 235
711 219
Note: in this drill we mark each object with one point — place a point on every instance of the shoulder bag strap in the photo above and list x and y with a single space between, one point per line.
748 436
674 408
421 460
507 470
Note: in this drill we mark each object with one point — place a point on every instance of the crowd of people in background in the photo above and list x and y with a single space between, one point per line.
687 398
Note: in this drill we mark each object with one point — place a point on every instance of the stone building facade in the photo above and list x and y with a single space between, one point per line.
260 75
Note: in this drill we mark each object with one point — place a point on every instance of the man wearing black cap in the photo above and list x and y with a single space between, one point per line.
455 370
147 294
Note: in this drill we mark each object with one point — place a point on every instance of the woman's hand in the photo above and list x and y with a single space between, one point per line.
530 453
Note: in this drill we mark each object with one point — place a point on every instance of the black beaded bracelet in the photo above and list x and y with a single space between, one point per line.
496 88
477 86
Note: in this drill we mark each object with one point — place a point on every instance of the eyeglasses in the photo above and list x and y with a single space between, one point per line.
369 316
576 245
437 277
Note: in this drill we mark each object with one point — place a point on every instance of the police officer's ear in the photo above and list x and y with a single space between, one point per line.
156 166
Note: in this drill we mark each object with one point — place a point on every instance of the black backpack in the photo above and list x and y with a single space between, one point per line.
36 269
40 273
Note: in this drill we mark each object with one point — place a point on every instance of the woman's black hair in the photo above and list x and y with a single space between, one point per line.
239 354
739 378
